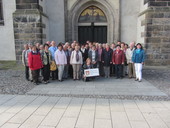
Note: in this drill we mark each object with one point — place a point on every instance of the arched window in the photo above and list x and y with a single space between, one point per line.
1 14
92 14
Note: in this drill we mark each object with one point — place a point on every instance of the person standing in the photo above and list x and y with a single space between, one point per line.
138 59
27 54
76 60
107 60
66 67
46 58
61 61
118 59
41 50
53 49
25 61
112 67
131 67
100 64
93 55
35 64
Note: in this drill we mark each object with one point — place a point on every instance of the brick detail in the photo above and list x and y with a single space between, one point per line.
157 32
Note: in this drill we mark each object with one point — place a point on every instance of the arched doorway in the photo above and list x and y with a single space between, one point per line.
92 25
111 12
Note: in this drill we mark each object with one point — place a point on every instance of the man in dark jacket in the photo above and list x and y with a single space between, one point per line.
118 59
107 60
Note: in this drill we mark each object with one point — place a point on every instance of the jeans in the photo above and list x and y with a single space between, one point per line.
65 74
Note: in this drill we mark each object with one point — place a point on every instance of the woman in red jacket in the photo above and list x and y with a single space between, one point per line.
118 60
35 64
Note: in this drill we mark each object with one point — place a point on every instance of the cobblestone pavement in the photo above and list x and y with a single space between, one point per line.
18 111
13 82
159 77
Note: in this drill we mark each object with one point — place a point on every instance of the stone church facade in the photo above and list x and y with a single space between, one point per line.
105 21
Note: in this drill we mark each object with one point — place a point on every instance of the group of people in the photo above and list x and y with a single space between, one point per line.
68 60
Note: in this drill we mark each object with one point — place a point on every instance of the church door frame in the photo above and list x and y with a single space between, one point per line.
113 31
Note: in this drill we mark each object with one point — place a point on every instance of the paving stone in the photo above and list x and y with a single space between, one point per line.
74 108
66 122
89 104
120 120
154 121
10 125
116 106
46 106
53 117
25 113
86 119
134 115
4 117
32 122
139 124
63 103
145 107
102 123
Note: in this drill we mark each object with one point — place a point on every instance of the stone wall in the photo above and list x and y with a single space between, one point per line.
157 32
28 26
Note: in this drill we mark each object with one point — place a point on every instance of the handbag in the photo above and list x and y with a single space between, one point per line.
53 66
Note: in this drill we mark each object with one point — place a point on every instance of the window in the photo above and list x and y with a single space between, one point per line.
1 14
92 14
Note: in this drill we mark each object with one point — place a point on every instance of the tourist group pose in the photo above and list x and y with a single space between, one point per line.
69 60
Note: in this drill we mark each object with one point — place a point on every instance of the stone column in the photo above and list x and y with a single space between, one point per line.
157 32
28 27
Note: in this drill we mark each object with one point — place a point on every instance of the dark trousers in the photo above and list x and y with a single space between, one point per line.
118 70
54 74
101 69
27 72
35 75
70 71
46 72
112 70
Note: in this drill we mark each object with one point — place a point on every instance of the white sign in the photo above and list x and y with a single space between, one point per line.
91 72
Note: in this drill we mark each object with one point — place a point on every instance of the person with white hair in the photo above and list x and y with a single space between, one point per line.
76 60
129 54
25 61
